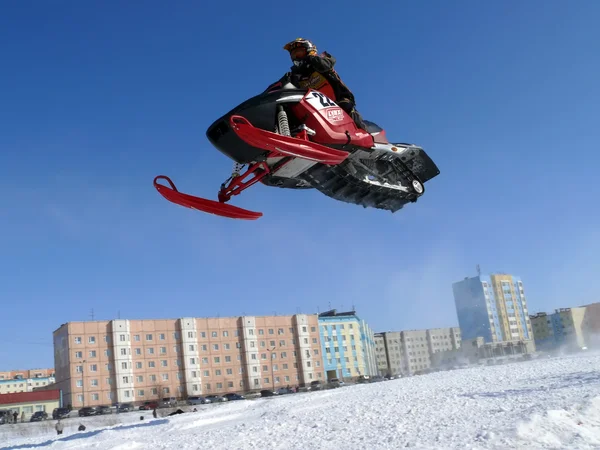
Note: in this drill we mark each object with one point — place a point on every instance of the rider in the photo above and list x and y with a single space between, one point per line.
314 71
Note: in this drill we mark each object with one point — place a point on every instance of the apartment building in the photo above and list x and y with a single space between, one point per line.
569 329
103 362
26 374
28 380
543 331
411 351
348 345
380 354
493 307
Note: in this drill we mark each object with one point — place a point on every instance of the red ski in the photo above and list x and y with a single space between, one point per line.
201 204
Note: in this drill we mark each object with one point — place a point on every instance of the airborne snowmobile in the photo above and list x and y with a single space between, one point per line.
296 138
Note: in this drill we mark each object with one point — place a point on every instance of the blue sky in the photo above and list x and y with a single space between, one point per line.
97 98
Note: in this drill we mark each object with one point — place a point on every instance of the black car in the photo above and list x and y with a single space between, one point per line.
38 416
125 407
60 413
87 411
267 393
233 396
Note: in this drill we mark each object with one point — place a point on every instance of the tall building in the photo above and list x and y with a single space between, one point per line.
103 362
407 352
493 307
348 345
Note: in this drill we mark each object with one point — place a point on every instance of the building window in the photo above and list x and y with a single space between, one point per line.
92 339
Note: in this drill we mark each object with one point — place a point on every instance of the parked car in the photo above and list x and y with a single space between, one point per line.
334 383
267 393
283 391
87 411
149 405
38 416
233 396
125 407
216 398
316 385
61 413
103 409
198 401
168 402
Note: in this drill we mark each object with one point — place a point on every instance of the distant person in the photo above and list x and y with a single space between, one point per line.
81 427
154 413
16 416
23 417
59 427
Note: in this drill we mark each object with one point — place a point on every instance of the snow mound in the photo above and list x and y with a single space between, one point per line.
574 427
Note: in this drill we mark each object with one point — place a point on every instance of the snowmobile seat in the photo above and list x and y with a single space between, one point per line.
372 127
376 131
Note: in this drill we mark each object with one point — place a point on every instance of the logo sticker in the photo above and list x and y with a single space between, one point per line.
335 114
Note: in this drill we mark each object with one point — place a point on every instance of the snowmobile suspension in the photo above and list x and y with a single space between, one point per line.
236 184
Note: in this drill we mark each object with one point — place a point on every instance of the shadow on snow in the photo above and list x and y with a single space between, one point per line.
87 434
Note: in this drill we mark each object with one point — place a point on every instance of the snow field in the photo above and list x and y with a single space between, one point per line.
546 403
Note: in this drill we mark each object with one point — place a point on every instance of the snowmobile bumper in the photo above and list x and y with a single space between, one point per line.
285 145
201 204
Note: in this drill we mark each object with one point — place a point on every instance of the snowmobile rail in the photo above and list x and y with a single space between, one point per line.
285 145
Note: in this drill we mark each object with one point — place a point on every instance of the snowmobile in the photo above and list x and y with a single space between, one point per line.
295 138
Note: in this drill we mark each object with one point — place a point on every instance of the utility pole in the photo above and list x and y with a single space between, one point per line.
272 371
82 384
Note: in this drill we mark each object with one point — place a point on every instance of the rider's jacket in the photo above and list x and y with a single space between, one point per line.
318 73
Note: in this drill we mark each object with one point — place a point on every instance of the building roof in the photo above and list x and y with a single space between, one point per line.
29 397
334 313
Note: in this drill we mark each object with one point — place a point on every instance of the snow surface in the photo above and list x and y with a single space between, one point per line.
545 403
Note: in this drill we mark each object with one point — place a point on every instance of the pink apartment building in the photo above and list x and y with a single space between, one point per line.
26 374
105 362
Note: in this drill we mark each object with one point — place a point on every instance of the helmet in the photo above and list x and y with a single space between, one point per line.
300 43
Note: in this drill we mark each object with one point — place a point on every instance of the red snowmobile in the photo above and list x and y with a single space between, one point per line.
300 139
